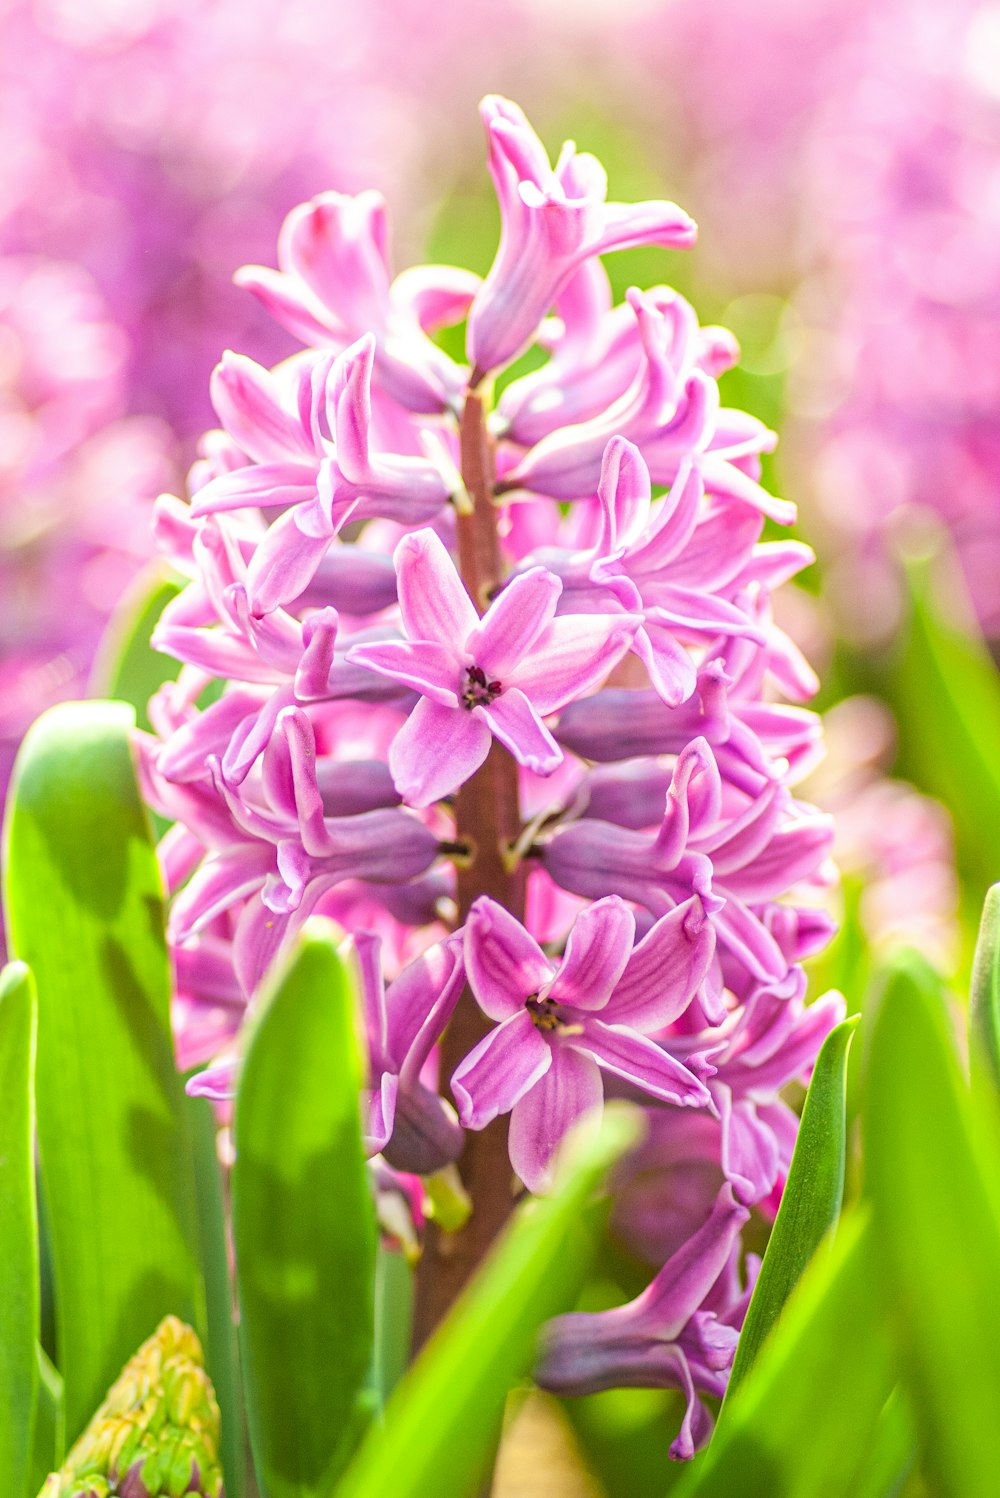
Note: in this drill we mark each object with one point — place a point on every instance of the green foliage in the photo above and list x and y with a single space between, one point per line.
127 667
85 912
933 1181
984 999
811 1201
802 1422
946 694
304 1226
19 1296
443 1419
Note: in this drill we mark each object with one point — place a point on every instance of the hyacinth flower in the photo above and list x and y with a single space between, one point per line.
560 1027
664 1339
513 723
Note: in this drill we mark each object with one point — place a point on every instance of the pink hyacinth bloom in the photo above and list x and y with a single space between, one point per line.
560 1026
663 1339
552 221
479 678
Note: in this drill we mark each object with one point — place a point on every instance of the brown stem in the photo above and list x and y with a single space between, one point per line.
488 820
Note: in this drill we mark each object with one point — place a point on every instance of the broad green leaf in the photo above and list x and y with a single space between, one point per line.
127 667
936 1219
19 1315
803 1420
892 1454
946 692
304 1225
442 1421
810 1204
221 1352
984 998
85 912
47 1444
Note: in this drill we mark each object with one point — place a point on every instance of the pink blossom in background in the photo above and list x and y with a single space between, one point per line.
905 167
77 481
624 670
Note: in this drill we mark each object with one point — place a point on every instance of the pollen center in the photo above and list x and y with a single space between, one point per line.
544 1013
479 691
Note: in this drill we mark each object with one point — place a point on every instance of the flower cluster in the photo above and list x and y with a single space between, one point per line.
503 698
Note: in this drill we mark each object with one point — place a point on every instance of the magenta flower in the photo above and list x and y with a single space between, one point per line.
664 1339
552 221
560 1026
498 676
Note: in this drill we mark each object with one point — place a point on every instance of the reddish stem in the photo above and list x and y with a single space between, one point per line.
488 820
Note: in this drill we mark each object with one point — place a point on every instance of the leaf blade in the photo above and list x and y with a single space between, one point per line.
85 910
19 1290
303 1223
810 1204
442 1420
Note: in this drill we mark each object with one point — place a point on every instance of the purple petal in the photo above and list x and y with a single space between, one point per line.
517 725
665 970
504 963
436 750
749 1148
419 1003
380 1114
498 1073
263 484
570 1088
432 596
623 491
248 403
428 667
573 655
599 946
514 621
642 1062
671 668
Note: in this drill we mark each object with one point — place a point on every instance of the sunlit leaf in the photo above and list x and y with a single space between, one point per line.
85 912
443 1419
936 1219
19 1316
304 1226
802 1422
810 1204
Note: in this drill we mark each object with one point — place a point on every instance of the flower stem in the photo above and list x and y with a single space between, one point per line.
488 820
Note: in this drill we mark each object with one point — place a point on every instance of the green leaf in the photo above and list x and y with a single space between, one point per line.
984 998
946 692
221 1352
47 1446
810 1203
441 1423
127 667
936 1214
304 1225
802 1422
85 912
19 1295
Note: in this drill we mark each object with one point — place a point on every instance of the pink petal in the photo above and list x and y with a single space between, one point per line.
573 655
505 965
283 565
432 596
599 946
428 667
247 401
665 970
499 1071
570 1088
263 484
514 621
436 750
642 1062
671 669
516 724
623 491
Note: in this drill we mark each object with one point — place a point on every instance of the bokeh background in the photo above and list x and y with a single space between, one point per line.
842 159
